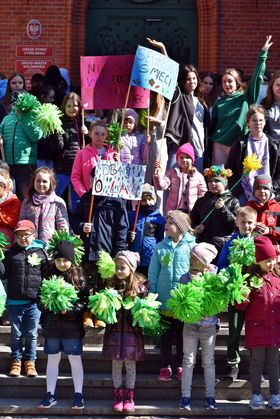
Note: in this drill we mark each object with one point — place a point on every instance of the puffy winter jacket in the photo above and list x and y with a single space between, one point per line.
192 185
262 315
9 215
168 264
149 231
23 274
20 138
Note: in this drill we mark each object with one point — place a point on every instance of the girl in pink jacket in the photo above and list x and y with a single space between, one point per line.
87 158
185 183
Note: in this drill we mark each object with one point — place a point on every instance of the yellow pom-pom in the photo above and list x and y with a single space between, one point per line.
251 163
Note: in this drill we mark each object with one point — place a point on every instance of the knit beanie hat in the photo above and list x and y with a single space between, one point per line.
187 149
130 258
263 181
264 249
149 190
64 249
131 113
181 219
205 252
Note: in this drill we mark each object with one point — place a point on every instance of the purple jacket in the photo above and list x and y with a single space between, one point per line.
122 340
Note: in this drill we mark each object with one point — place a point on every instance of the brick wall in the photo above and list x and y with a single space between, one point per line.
231 32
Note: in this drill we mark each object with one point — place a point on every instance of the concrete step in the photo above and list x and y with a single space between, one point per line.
144 409
100 387
94 362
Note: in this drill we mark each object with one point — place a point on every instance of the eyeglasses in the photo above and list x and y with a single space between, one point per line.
23 235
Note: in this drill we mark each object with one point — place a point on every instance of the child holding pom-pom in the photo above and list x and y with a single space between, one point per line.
63 330
262 319
203 332
123 343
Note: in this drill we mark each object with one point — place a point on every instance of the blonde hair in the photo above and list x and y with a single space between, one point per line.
240 86
243 211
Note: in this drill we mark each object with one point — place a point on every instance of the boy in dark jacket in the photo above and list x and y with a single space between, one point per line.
213 215
22 268
149 228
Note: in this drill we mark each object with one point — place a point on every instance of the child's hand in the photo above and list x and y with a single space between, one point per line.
157 167
267 43
219 203
84 130
148 139
132 236
1 141
262 229
198 229
116 156
63 312
87 227
153 119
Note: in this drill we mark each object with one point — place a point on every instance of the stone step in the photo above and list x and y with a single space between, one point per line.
94 362
100 386
144 409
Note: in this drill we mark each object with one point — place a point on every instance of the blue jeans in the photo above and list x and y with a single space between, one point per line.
192 335
63 182
24 319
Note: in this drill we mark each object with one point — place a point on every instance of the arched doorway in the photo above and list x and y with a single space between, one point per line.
117 26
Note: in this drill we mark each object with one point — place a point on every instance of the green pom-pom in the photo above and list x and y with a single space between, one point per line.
48 119
242 251
142 118
157 330
3 244
256 282
215 294
187 302
57 295
26 103
114 133
145 311
106 265
237 283
61 235
105 304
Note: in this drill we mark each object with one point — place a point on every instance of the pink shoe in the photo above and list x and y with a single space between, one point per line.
118 402
165 374
128 405
179 373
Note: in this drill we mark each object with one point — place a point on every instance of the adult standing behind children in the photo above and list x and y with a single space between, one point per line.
22 267
229 112
271 104
184 183
262 318
43 207
170 260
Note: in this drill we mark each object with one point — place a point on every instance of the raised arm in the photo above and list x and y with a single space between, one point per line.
158 44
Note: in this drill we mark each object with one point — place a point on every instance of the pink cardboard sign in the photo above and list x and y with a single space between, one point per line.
105 81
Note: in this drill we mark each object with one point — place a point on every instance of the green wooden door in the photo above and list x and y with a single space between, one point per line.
116 27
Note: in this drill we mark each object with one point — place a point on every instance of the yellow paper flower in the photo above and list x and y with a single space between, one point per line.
251 163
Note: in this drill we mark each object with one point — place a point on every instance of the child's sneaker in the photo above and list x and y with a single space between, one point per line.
256 402
211 403
185 403
274 402
165 374
78 402
48 401
118 400
179 373
128 405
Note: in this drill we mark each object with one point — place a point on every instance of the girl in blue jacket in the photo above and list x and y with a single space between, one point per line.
170 260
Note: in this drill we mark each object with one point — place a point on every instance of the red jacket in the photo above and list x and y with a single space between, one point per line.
262 316
9 214
269 214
